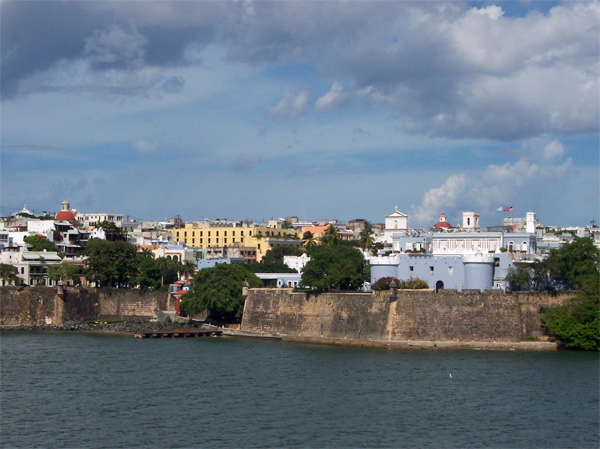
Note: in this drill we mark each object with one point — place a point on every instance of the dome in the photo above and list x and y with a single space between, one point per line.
442 224
65 215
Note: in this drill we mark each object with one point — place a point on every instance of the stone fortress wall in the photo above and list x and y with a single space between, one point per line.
414 315
48 305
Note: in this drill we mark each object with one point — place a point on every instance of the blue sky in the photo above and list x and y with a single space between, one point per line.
322 110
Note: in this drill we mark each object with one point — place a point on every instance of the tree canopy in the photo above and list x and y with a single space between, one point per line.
219 290
39 243
565 268
8 274
334 267
64 272
111 264
576 324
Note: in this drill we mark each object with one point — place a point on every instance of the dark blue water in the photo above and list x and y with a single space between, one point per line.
95 391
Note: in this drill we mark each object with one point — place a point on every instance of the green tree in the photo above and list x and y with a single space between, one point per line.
333 267
148 275
188 268
576 324
64 271
169 270
519 278
111 264
9 274
308 238
573 262
366 238
331 237
219 290
39 243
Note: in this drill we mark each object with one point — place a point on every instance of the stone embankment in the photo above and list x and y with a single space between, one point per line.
129 326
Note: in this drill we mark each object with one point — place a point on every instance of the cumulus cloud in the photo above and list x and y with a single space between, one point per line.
332 99
291 106
496 184
446 69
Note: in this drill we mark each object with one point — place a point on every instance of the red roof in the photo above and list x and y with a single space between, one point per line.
65 215
442 224
180 292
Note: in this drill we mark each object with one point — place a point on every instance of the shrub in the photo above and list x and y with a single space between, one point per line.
415 284
384 283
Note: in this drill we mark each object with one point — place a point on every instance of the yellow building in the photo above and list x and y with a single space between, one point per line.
261 238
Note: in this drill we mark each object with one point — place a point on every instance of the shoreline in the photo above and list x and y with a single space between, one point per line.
141 326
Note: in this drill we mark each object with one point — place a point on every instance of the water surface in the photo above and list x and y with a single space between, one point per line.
78 390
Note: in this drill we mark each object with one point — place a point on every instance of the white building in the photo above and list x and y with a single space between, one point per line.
395 223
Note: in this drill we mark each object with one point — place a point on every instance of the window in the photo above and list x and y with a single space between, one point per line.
217 233
193 241
411 270
431 270
225 233
177 234
450 271
468 222
22 270
496 261
225 240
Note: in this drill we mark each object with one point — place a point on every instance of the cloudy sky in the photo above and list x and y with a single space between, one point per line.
320 109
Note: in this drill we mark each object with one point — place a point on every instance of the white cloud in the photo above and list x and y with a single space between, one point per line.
334 98
290 106
497 184
493 12
441 198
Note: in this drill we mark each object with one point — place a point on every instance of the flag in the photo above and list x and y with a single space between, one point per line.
508 209
501 208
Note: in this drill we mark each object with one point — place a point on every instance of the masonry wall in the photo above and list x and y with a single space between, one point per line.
49 305
414 315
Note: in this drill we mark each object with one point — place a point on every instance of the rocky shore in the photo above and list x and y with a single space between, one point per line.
129 326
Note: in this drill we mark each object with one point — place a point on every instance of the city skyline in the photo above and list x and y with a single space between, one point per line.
322 110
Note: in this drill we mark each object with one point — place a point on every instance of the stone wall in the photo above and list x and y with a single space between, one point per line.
48 305
415 315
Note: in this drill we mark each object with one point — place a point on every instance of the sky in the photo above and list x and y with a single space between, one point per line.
316 109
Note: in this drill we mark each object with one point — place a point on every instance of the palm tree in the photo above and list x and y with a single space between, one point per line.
309 239
331 237
366 238
188 268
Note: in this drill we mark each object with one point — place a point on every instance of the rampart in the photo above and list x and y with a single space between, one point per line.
47 305
415 315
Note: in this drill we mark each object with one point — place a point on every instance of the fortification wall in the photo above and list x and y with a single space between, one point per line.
414 315
47 305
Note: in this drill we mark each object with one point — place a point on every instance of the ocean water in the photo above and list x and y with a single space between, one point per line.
76 390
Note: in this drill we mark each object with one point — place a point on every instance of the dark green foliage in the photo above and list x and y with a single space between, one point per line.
519 278
367 239
8 274
331 236
219 290
576 325
384 283
333 267
64 272
309 239
39 243
565 268
574 261
111 264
